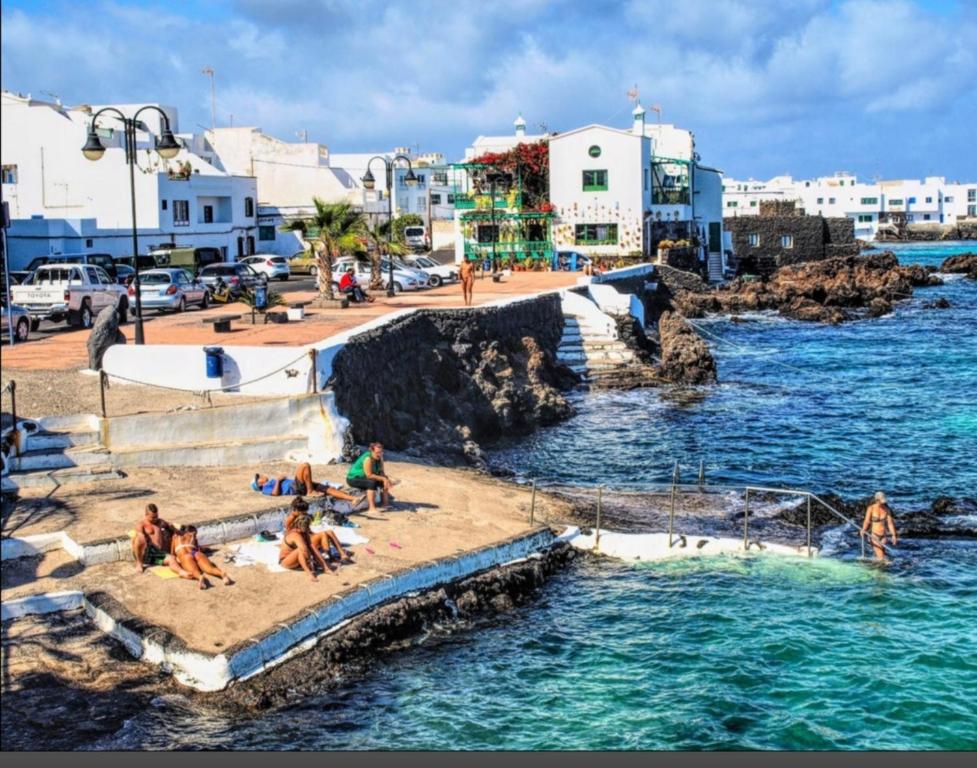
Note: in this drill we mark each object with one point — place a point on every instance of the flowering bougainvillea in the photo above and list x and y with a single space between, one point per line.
528 162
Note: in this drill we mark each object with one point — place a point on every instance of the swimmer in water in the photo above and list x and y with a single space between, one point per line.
878 516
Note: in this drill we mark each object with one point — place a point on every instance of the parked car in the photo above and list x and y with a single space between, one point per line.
439 273
145 262
571 260
416 238
169 289
303 263
103 260
72 292
422 277
403 280
275 267
21 320
124 273
235 275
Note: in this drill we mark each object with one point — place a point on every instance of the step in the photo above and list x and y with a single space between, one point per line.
59 477
43 441
213 454
56 458
79 422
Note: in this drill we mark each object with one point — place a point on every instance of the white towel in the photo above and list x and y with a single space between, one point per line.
266 553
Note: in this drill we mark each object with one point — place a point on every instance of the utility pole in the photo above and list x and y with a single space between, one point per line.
213 96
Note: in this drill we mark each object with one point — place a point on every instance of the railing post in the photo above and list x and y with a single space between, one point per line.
532 506
671 512
808 525
746 523
600 492
315 371
13 403
702 473
101 391
862 537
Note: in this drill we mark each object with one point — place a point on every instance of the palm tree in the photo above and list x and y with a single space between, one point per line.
337 228
377 234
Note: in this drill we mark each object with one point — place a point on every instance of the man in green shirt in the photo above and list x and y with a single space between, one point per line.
368 475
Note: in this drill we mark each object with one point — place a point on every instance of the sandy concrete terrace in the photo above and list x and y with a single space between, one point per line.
440 513
66 350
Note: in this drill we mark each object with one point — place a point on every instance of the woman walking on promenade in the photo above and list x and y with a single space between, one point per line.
467 274
879 517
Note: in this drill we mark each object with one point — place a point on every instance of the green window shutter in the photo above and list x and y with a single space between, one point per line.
595 181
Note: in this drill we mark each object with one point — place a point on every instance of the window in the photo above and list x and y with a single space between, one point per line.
842 183
786 241
266 233
435 199
595 181
451 199
831 201
488 233
89 243
820 201
912 200
439 178
865 218
897 201
870 201
164 204
596 234
9 174
646 175
948 199
208 214
181 213
926 217
249 207
752 203
753 240
929 199
732 204
972 210
972 195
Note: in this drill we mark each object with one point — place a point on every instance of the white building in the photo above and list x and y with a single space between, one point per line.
60 202
929 203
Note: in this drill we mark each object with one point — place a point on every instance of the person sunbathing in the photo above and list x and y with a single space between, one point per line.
151 540
300 485
320 541
297 550
191 561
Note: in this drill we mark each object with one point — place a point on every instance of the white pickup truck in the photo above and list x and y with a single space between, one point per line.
72 292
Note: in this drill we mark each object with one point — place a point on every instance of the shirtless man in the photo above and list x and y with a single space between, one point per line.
466 273
151 542
879 517
300 485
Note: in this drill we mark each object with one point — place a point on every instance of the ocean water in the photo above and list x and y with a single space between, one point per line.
756 652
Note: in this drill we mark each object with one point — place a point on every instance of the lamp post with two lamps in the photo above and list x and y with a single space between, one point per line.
369 182
166 146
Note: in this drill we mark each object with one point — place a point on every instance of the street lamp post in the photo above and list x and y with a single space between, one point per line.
166 146
495 178
369 182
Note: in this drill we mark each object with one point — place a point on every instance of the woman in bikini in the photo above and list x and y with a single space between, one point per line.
194 564
297 550
320 541
879 517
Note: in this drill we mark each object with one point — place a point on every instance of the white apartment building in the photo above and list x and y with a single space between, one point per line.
61 202
931 202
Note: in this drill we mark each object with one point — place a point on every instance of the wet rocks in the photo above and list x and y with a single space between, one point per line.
940 303
963 263
685 357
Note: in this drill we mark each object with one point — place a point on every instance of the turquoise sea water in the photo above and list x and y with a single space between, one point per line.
717 653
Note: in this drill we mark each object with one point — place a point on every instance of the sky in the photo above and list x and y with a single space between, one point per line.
882 88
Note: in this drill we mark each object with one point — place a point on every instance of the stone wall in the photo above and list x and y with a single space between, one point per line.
438 382
814 238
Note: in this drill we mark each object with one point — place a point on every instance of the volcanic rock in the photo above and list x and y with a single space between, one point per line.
940 303
104 334
685 358
963 263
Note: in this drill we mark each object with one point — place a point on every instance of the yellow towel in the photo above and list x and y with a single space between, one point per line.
163 572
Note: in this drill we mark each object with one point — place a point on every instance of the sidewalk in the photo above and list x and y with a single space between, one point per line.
66 350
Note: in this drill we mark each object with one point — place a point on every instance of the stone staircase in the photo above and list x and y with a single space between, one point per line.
716 268
591 352
63 451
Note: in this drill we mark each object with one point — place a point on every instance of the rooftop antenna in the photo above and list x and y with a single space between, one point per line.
303 134
543 127
209 71
657 109
634 95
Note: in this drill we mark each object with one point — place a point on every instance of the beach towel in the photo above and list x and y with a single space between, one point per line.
163 572
266 553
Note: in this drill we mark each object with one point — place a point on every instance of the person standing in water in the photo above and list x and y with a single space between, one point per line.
466 272
878 516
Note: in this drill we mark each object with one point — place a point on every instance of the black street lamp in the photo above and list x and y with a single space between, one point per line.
369 182
166 146
495 179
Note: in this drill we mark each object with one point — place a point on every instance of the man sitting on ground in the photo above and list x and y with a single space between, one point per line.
151 542
367 473
300 485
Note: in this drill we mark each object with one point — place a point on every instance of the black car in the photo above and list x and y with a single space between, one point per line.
237 277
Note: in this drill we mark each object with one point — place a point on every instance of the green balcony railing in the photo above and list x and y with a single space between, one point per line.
471 200
514 250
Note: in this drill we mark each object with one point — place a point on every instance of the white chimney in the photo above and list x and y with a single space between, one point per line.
638 113
520 126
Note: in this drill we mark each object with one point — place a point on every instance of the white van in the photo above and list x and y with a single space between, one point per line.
416 238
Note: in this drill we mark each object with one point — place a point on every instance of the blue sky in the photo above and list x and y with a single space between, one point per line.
876 87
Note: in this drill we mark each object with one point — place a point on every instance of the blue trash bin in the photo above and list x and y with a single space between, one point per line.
261 297
215 362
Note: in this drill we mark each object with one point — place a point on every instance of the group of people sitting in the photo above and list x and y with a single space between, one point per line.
156 542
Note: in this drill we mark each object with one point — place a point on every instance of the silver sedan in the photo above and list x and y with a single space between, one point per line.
168 289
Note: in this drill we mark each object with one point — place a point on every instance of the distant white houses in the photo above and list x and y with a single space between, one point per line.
928 203
614 193
60 202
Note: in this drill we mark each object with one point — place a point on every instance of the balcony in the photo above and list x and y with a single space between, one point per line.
513 250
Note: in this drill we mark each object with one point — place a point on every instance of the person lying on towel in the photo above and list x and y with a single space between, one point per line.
300 485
